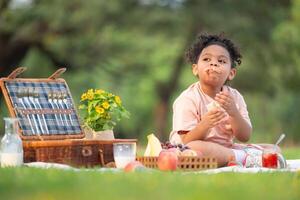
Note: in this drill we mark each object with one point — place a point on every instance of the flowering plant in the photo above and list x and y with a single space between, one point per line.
101 109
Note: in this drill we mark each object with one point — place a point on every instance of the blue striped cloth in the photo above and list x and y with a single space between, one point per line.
48 123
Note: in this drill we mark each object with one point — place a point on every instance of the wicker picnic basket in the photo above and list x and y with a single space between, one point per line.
185 163
49 125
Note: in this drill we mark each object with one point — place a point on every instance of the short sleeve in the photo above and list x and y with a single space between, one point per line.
243 108
185 115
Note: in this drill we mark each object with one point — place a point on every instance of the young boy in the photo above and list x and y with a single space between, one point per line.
209 115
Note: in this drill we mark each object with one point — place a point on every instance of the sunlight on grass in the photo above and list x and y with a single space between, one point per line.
31 183
58 184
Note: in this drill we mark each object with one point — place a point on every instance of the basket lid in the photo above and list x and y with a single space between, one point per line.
44 107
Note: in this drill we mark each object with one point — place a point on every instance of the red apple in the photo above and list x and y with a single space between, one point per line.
167 160
133 166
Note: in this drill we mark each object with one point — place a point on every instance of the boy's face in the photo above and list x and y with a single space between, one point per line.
214 66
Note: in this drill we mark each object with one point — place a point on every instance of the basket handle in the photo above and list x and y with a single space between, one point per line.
101 157
57 73
16 72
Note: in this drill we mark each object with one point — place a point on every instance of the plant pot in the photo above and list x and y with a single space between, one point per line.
89 133
103 135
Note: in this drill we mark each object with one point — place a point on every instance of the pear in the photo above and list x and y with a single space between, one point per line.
153 147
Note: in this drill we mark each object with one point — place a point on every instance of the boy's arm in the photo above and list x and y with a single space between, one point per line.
240 127
197 133
209 120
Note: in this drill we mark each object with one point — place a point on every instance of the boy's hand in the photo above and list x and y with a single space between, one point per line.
226 101
212 118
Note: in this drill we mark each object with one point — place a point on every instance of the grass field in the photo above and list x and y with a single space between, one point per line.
291 152
29 183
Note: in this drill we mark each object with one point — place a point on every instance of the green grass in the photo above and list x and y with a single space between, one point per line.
291 152
30 183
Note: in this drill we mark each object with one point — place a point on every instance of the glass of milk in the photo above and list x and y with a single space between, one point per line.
11 148
124 153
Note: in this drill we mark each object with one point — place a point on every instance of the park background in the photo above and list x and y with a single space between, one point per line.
135 49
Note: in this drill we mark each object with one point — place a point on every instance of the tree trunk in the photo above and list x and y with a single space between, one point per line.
166 89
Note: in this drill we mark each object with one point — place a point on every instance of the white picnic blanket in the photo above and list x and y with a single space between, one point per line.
45 165
292 166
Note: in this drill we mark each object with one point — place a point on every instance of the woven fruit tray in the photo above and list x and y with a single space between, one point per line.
186 163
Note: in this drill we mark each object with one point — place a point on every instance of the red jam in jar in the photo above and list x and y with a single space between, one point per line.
269 160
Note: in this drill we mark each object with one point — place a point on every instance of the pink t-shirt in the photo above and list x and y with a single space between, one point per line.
192 104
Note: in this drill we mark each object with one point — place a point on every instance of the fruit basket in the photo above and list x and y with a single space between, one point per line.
185 163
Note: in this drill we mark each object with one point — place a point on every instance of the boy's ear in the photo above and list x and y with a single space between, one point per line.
232 74
194 69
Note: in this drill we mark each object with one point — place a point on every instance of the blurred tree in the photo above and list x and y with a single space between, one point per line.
287 48
287 44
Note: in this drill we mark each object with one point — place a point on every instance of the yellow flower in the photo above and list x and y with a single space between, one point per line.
90 91
90 96
83 97
118 100
99 91
103 109
105 105
99 109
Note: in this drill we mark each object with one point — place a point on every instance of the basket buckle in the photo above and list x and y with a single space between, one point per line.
86 151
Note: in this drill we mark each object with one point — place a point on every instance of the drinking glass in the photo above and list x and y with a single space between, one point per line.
270 158
124 153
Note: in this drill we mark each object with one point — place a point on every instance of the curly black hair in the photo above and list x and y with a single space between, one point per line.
204 40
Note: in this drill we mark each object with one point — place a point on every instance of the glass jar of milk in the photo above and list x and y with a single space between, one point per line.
11 149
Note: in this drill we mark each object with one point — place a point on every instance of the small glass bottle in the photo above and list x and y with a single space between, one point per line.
11 149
